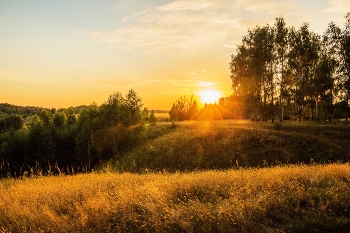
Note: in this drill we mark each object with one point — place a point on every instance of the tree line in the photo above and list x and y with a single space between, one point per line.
283 72
186 108
8 109
66 140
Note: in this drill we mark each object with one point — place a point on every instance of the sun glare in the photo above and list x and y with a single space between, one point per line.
209 96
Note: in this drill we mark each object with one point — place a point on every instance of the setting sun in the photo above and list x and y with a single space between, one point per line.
209 96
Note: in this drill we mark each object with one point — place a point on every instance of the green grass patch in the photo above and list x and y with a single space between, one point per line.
232 144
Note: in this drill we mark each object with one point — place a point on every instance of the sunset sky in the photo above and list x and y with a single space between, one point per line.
69 53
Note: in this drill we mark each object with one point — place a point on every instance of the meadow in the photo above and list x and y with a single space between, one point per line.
222 176
298 198
203 145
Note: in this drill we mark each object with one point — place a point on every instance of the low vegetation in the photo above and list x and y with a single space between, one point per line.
296 198
188 146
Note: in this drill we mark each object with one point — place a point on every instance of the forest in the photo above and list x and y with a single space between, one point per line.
73 139
283 72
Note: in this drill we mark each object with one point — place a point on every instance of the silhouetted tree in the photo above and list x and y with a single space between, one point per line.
152 118
184 109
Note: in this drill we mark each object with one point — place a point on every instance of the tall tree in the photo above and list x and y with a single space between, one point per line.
184 109
152 118
253 71
345 62
282 49
241 82
88 121
337 43
324 84
303 57
134 108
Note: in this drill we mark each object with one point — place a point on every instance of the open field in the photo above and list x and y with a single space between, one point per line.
162 116
301 198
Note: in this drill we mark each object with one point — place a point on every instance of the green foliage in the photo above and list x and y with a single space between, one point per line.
71 119
13 151
310 73
152 118
45 116
10 109
60 119
145 114
184 109
41 145
174 116
77 141
14 122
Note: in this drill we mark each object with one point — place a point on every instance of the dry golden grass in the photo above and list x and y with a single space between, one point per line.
281 199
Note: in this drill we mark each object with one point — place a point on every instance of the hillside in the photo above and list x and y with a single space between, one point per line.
226 144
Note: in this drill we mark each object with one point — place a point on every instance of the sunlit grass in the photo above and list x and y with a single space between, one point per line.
281 199
194 145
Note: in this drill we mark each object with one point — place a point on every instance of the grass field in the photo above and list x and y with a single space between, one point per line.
312 198
162 116
225 176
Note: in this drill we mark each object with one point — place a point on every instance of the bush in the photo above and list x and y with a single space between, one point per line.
277 126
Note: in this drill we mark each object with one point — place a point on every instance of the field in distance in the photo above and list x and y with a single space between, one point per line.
162 116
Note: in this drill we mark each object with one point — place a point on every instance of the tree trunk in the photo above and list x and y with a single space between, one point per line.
347 108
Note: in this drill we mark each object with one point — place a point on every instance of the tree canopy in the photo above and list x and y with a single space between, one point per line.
74 140
280 71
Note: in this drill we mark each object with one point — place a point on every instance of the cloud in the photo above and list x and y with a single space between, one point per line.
184 26
266 7
197 27
153 29
338 6
194 5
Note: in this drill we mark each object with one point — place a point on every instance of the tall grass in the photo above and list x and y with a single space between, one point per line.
301 198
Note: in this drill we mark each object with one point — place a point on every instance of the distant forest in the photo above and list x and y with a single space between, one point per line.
70 140
8 109
279 72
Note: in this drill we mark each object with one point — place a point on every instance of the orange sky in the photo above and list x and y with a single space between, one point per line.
65 53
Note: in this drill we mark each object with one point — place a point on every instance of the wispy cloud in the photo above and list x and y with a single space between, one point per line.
198 26
270 7
194 5
338 6
179 25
